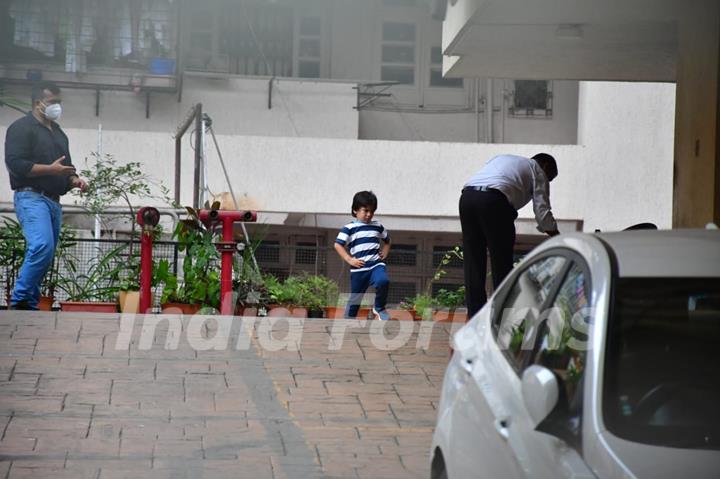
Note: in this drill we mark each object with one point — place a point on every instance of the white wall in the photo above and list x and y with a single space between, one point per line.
238 105
627 133
619 174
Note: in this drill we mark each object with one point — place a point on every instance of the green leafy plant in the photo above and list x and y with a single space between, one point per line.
201 265
423 304
99 282
110 182
450 300
12 250
248 281
286 293
317 291
63 254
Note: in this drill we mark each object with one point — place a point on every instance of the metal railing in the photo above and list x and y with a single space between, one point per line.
411 272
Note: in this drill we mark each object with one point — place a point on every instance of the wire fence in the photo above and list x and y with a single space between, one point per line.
77 267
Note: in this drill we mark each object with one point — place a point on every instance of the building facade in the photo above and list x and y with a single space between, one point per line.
313 100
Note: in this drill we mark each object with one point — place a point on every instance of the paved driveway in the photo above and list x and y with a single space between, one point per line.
110 396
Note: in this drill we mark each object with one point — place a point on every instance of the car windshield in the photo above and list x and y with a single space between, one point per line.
662 362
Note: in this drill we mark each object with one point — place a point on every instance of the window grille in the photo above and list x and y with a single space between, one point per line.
402 255
79 35
400 290
309 47
436 78
398 52
305 253
268 252
439 253
532 98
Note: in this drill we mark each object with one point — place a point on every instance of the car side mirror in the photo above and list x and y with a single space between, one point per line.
540 392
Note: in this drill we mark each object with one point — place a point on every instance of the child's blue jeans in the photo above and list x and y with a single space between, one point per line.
359 282
40 218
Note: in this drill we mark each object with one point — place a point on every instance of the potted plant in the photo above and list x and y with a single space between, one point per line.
248 283
422 304
200 283
319 295
66 242
95 289
450 301
12 252
110 183
285 296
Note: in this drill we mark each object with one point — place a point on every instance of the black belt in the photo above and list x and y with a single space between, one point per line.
481 188
55 198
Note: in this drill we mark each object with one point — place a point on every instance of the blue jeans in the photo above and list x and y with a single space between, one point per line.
359 283
40 218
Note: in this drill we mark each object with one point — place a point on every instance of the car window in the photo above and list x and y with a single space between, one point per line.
516 320
660 378
562 345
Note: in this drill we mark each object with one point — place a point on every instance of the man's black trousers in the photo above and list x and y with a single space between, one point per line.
488 223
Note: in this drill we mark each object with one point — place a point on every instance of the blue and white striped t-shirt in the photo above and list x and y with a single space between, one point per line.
363 242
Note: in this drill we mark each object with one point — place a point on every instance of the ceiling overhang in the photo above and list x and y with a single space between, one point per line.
562 39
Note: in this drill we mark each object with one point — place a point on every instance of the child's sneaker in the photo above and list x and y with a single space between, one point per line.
381 315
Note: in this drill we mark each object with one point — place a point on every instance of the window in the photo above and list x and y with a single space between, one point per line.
309 50
268 252
398 52
532 98
402 255
517 319
440 252
78 35
661 362
400 290
305 253
563 345
436 78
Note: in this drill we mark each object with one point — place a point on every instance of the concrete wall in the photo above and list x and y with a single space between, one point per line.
620 174
238 105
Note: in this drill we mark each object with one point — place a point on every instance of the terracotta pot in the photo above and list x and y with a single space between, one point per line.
130 301
88 307
449 316
334 312
402 314
180 308
287 311
46 303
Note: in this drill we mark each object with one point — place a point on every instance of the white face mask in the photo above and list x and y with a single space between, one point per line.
53 112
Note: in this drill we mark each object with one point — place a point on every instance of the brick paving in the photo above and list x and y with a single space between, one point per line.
100 396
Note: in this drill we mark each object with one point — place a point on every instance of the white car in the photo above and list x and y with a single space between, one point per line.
598 356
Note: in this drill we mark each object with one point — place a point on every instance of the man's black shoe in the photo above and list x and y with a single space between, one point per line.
20 306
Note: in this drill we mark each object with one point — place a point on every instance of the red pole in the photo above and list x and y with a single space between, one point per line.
147 218
227 305
145 270
227 249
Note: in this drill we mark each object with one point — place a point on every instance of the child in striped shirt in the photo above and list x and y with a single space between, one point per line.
364 244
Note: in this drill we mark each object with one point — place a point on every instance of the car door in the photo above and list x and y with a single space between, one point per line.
560 345
481 445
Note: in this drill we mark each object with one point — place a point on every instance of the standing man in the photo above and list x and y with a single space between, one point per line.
488 208
38 160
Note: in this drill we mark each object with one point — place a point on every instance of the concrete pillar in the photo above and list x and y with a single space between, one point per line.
696 190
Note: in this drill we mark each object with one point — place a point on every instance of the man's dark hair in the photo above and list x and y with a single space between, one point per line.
547 163
38 90
364 198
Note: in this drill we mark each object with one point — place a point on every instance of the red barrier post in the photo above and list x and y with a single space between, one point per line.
147 218
227 248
